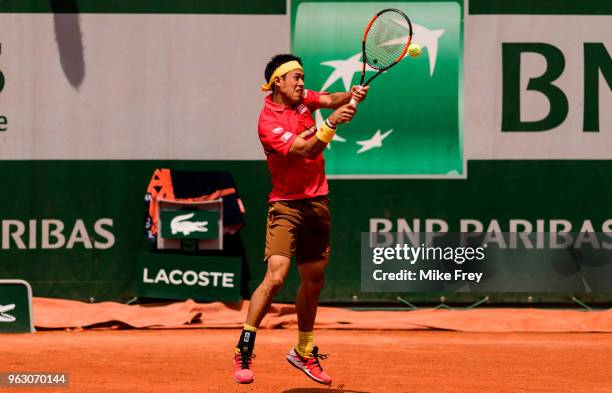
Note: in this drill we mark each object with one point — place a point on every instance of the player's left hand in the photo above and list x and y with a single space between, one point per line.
359 94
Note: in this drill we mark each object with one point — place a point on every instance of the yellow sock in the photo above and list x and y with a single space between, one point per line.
305 344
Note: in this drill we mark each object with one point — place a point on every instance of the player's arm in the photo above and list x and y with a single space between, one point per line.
336 100
309 148
312 147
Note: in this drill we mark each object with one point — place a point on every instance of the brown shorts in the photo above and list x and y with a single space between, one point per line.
300 227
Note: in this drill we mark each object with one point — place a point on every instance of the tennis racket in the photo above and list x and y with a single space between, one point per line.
385 42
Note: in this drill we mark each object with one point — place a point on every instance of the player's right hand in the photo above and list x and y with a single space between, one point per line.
344 114
358 93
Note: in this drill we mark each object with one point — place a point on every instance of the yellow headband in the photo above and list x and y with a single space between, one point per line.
280 71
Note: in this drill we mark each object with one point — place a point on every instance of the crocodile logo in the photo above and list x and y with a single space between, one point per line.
4 317
181 224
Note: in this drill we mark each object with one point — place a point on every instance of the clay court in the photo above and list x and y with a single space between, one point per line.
416 359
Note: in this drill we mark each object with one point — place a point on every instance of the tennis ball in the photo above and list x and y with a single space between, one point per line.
414 50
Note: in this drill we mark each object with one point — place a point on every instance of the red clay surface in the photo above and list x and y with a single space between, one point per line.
190 360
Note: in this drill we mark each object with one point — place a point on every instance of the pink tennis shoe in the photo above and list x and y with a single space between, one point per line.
310 366
242 367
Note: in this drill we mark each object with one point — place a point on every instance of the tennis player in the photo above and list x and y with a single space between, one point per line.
298 222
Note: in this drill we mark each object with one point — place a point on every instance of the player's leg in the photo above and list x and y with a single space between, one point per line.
307 298
313 256
305 356
278 267
282 228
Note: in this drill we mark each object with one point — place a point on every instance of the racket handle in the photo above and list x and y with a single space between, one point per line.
354 102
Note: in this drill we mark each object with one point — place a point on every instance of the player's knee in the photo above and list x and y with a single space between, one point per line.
274 282
314 285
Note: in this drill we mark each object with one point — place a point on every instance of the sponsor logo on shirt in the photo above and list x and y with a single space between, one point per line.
286 136
301 108
278 130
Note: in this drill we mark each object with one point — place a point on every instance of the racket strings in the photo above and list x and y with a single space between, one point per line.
386 40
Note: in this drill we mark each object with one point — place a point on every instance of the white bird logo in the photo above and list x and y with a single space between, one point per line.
345 69
422 36
375 141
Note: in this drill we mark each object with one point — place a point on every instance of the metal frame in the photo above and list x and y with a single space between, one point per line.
29 289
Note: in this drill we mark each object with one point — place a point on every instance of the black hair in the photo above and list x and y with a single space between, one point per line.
277 61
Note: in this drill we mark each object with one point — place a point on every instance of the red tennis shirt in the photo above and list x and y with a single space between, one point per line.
293 177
